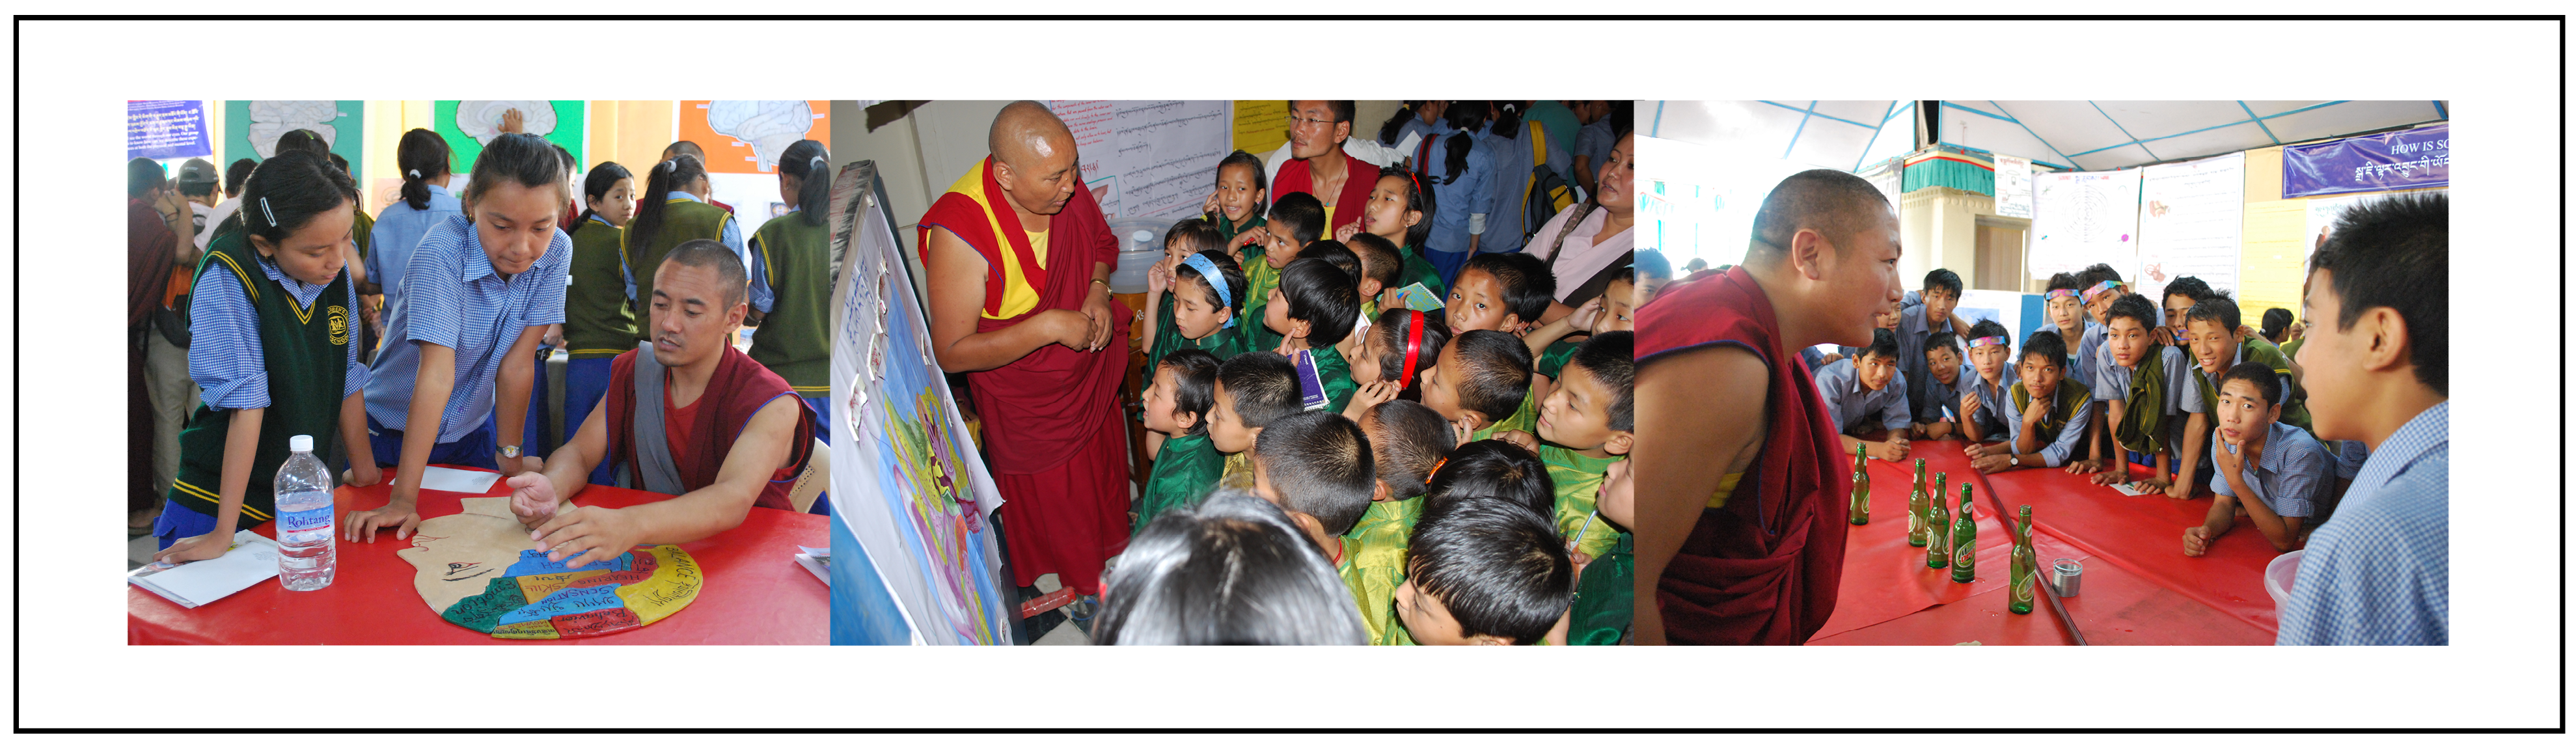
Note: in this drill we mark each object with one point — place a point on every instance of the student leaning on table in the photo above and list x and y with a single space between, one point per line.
270 324
460 347
717 429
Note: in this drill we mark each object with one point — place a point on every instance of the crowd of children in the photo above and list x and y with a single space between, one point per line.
1324 404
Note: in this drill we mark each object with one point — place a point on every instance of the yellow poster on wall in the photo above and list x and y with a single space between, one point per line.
1260 126
2275 250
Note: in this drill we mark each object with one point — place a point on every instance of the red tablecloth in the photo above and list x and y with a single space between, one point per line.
755 593
2138 589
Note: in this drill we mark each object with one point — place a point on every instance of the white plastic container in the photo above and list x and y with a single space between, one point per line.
1140 245
2278 576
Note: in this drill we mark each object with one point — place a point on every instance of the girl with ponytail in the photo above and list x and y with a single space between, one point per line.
791 278
423 157
598 323
673 211
1463 177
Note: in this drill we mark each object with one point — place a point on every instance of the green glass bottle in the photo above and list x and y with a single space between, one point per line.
1963 538
1860 488
2025 565
1936 550
1917 509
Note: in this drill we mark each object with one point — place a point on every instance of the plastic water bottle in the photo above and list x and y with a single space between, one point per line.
304 520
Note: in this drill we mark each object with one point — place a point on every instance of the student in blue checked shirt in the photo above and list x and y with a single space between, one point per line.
2378 371
1865 395
460 351
272 348
2283 468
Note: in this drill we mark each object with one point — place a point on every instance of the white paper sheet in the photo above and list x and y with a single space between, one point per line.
2191 223
445 479
252 558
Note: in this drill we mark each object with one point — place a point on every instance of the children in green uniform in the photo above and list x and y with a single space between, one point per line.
1176 407
1585 425
1316 466
1409 440
1505 293
1481 378
1399 212
1554 342
1189 304
1394 355
1605 589
791 265
1485 567
1295 220
1253 390
1242 191
1313 309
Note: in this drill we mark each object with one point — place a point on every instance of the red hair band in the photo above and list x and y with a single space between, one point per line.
1412 349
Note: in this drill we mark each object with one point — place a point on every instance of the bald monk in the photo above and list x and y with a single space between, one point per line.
1317 132
689 416
1740 517
1019 259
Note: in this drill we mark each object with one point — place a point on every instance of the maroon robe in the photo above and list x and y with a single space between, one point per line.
1052 424
1765 569
739 388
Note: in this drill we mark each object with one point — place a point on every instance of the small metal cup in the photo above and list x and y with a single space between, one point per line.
2069 575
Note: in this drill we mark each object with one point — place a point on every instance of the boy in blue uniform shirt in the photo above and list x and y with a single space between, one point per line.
2377 364
2067 317
2279 465
2141 390
1944 376
1987 378
2047 412
1865 395
1915 326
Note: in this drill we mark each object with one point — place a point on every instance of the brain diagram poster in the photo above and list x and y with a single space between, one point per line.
912 540
469 125
745 137
2082 219
251 128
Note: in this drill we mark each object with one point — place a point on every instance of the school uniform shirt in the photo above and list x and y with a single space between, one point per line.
1578 485
1587 252
1335 373
1990 400
1941 400
225 357
1913 329
1562 127
1185 471
1513 164
398 229
1470 193
2112 382
1596 140
215 217
731 236
1848 403
2205 389
1419 132
1372 565
2070 396
2380 572
452 297
2350 455
2288 475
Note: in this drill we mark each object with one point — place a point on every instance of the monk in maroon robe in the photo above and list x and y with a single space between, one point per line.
691 417
1019 257
1740 521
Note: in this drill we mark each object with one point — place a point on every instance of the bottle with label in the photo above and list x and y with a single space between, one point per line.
1860 488
1936 549
2025 565
1918 509
1963 538
306 557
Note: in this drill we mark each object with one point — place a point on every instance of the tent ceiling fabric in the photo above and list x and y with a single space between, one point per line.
1832 134
2077 135
2104 135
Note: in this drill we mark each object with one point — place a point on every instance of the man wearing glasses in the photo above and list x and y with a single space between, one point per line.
1316 164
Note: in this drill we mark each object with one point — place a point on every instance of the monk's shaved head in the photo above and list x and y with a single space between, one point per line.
1833 203
1026 130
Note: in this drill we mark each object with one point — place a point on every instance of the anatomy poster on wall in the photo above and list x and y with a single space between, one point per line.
469 125
914 555
2012 186
1149 158
745 137
251 127
2084 218
2190 222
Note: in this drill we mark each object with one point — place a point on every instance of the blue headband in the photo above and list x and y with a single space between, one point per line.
1207 271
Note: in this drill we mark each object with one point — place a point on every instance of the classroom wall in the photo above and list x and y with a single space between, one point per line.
1938 226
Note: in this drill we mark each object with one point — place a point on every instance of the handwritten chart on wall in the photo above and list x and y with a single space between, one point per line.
2084 218
2190 222
1148 158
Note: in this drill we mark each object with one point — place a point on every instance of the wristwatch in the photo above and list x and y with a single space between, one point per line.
509 451
2016 461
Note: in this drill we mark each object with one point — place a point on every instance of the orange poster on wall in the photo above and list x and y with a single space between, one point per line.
745 137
